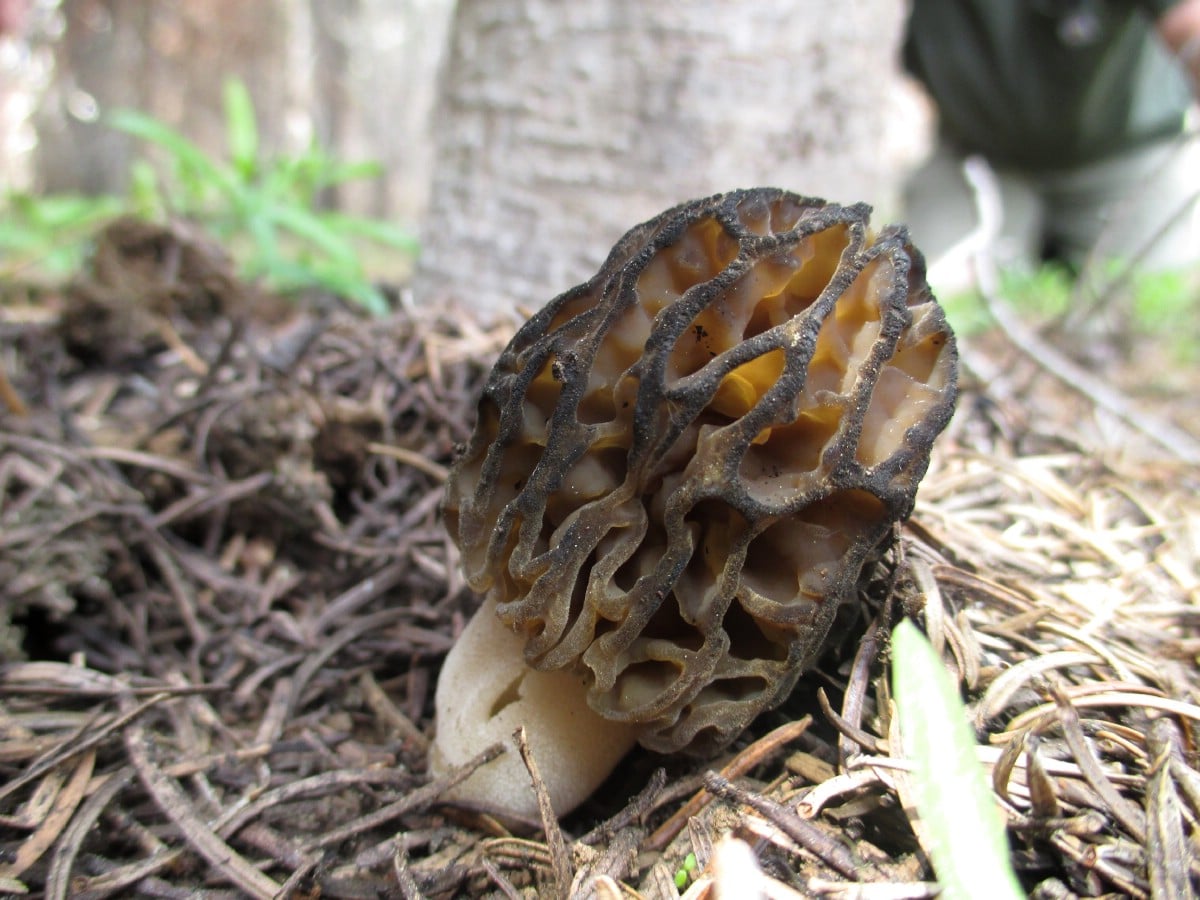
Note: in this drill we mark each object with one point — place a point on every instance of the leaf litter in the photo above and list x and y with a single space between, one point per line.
225 593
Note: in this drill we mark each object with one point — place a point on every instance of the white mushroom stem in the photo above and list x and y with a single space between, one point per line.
486 691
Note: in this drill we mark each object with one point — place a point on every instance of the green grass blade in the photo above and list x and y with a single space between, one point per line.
311 227
59 211
50 234
287 276
242 128
967 843
362 293
373 230
335 172
182 151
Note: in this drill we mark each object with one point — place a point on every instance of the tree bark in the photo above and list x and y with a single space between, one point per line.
561 125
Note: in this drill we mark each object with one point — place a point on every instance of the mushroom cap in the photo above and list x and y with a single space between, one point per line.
680 467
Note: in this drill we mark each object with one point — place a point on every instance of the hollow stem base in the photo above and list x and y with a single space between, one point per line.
486 692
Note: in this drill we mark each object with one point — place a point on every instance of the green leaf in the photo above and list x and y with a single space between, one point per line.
242 127
350 285
309 226
266 209
365 295
185 154
145 192
50 234
287 276
967 842
289 180
68 211
266 257
373 230
341 172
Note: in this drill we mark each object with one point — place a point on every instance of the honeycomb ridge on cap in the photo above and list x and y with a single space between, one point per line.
680 467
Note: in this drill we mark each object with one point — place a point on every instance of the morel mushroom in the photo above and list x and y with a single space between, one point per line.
679 471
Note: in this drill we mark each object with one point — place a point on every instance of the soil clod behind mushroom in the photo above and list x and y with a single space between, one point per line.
678 472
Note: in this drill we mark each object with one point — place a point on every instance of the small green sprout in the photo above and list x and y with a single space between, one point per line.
266 207
683 875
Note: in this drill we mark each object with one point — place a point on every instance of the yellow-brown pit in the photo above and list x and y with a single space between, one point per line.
681 467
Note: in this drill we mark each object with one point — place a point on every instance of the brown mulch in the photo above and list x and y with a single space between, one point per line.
225 593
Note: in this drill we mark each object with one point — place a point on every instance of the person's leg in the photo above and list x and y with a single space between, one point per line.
941 210
1140 207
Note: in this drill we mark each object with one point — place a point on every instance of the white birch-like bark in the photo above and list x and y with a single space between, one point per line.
560 125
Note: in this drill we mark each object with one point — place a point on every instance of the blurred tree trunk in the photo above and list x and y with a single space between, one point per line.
560 125
168 59
356 76
376 71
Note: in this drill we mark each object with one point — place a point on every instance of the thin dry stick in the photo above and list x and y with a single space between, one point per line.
127 457
292 886
418 799
434 470
313 786
824 845
1043 791
560 860
346 604
602 887
10 397
839 890
389 714
615 861
849 735
506 887
1188 782
635 811
178 588
177 807
1087 697
94 737
192 506
98 886
747 759
1083 854
54 820
58 880
332 644
849 722
1125 812
404 878
1167 850
35 690
1008 683
1024 339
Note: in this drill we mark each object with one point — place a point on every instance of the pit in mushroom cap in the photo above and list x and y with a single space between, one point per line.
680 467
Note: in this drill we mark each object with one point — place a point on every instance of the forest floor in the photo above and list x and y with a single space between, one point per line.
225 593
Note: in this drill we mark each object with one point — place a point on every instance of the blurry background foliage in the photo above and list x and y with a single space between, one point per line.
265 209
1120 304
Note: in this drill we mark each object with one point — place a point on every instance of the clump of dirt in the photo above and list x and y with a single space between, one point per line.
144 276
225 591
